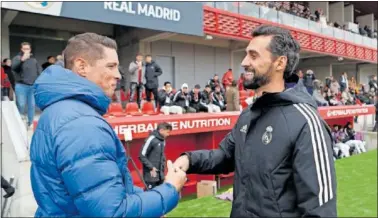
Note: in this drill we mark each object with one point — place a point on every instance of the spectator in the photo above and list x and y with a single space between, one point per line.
5 85
373 84
227 79
335 87
376 114
182 99
349 131
79 165
50 61
7 65
153 71
59 60
346 98
352 83
137 79
317 94
343 81
214 82
26 70
335 133
207 100
292 80
308 81
218 98
166 100
328 81
196 98
233 98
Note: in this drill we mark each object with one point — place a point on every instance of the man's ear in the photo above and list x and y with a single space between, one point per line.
80 66
281 63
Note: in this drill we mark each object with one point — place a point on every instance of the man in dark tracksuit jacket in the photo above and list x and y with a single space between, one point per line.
152 156
153 71
280 149
196 98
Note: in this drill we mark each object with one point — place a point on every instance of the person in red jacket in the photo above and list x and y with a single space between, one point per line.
227 79
5 84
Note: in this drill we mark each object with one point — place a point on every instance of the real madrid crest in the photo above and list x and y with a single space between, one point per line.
267 136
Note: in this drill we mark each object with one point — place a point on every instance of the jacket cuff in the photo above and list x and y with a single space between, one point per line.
189 154
169 195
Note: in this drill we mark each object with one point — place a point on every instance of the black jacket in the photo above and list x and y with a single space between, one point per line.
152 155
281 152
181 99
219 100
206 97
153 71
213 83
165 99
25 72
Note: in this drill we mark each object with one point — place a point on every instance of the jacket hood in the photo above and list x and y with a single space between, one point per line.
297 94
157 135
57 83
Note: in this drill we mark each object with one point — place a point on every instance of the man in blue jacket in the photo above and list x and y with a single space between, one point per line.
79 167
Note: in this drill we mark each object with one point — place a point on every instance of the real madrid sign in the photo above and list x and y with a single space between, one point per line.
178 17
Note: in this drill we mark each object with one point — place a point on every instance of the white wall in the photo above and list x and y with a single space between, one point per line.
339 68
365 71
366 20
336 12
349 13
322 5
194 64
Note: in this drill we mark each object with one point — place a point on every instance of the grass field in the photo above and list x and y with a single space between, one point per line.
356 192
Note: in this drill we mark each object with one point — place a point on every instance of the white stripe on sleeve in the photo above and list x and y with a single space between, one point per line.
147 144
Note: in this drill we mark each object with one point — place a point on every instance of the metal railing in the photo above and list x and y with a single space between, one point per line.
253 10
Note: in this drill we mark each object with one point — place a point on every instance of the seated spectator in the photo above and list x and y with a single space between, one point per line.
335 133
335 86
317 93
352 83
346 98
214 82
233 98
165 96
341 136
195 99
182 99
376 114
218 98
308 80
349 132
332 100
50 61
328 81
207 100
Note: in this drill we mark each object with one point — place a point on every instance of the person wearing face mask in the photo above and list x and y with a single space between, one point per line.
166 100
195 99
182 99
219 99
280 148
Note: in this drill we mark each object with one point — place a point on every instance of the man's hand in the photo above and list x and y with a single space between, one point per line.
175 176
153 172
25 56
182 163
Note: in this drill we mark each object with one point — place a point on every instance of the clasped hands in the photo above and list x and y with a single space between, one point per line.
176 175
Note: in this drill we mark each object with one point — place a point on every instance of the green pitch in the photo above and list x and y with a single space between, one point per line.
357 192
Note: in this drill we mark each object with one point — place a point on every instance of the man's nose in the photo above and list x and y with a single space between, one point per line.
117 75
245 62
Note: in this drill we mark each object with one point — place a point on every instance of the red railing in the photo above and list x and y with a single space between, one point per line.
231 25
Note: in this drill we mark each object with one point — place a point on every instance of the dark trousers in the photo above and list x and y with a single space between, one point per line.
154 92
152 185
136 89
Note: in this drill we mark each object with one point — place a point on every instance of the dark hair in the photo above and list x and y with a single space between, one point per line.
197 86
165 126
5 60
88 46
48 57
282 44
166 83
207 86
148 56
234 83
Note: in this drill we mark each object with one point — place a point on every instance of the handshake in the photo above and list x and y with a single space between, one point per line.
176 175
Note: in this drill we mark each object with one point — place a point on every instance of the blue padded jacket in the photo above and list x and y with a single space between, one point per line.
79 167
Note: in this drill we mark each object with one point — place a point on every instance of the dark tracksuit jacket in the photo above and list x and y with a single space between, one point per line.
152 155
181 99
281 152
25 72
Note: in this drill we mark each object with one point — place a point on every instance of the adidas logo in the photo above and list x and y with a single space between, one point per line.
244 129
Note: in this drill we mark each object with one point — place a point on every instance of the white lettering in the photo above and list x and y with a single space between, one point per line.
158 12
346 112
108 6
126 7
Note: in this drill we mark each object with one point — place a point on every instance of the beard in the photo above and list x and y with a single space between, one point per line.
257 80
